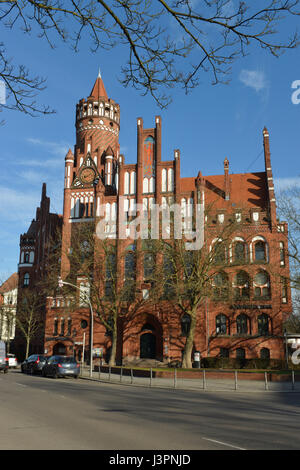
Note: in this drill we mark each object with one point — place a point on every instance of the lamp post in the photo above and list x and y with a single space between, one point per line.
61 283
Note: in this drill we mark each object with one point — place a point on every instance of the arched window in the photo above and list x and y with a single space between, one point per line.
164 180
265 353
69 331
55 329
132 182
240 353
239 252
260 251
242 324
282 255
261 284
263 323
185 324
145 185
126 183
26 257
220 285
26 280
224 353
241 285
222 324
170 179
169 277
218 252
62 326
130 266
149 264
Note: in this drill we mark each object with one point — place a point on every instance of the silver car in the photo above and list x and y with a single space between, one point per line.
61 366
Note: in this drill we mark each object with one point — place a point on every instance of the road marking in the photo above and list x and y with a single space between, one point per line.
223 443
22 385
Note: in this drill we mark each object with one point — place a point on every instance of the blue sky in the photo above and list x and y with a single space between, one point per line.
209 124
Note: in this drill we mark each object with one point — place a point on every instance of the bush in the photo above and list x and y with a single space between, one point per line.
233 363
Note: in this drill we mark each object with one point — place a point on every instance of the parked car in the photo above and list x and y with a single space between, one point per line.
61 366
3 357
12 361
34 364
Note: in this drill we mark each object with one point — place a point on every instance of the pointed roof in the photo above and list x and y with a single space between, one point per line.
109 151
10 284
98 88
69 155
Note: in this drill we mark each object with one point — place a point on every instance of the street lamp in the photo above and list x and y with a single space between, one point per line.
61 283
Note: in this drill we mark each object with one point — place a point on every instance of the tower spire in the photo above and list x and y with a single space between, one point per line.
99 88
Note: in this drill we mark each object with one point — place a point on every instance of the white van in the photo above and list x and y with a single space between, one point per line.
3 357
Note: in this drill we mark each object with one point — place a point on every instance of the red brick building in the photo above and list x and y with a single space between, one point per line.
97 176
34 249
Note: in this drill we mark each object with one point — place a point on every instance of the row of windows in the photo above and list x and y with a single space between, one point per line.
167 182
243 324
240 353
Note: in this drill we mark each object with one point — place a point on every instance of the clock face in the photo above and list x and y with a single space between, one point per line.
87 175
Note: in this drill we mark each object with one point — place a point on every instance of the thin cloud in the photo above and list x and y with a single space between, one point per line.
55 148
285 183
17 205
254 79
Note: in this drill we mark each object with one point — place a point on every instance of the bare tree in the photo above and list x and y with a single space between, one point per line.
168 43
190 277
288 203
29 319
109 279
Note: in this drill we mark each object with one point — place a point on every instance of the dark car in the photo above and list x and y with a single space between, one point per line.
3 357
61 366
34 364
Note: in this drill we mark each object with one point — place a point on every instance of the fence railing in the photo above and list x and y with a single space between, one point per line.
202 379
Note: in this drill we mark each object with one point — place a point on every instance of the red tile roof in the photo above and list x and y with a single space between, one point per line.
10 284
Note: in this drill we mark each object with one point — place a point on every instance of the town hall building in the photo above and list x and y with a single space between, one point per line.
100 186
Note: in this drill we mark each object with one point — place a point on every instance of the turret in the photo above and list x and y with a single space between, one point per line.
97 125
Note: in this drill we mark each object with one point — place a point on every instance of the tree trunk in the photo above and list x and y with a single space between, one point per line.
112 359
187 353
27 348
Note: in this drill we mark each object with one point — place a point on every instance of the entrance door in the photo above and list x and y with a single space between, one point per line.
58 349
148 346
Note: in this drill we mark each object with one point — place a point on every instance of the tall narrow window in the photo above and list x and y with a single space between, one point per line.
69 331
126 183
164 180
222 324
62 326
242 323
263 324
282 257
239 252
260 251
55 329
132 182
170 179
26 280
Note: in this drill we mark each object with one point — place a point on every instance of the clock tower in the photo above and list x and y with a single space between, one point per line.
91 172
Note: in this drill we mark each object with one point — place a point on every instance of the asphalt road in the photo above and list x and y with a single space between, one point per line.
45 414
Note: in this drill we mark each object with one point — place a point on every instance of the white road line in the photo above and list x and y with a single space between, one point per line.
22 385
223 443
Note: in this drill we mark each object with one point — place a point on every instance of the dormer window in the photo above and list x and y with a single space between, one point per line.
238 217
221 218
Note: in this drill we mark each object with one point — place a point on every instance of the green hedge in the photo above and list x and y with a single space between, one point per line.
232 363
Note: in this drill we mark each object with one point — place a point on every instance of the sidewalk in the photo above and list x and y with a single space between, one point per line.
205 383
